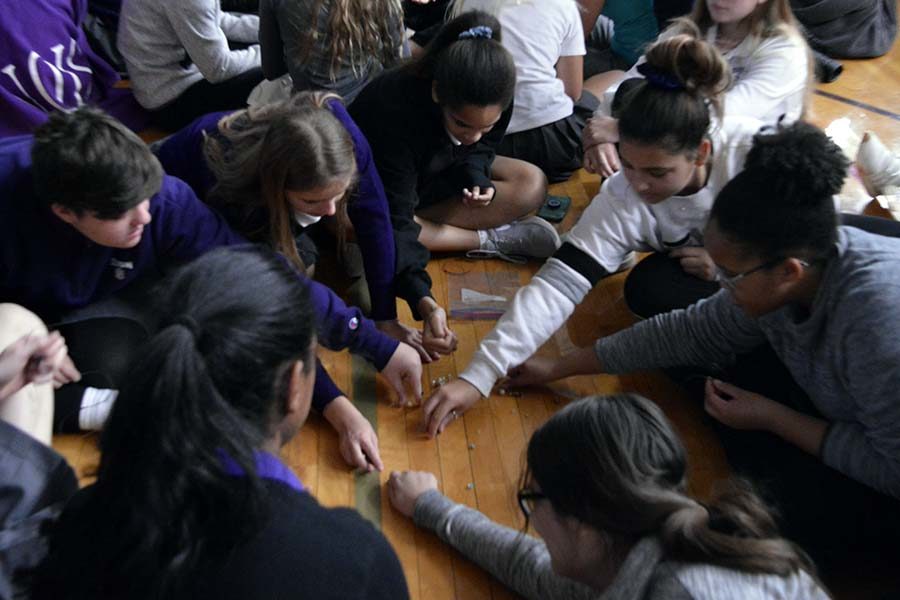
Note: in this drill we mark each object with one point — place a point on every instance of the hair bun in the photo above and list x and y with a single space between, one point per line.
803 155
694 63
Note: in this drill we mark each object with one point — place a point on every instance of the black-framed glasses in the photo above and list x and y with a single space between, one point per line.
729 282
527 498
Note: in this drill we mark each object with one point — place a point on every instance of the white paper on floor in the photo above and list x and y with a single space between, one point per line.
473 297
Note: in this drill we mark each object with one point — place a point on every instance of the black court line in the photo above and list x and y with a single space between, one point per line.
858 104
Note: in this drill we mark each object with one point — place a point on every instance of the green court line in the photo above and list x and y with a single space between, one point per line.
367 488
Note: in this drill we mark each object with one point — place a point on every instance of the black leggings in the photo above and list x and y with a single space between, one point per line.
658 284
831 516
103 349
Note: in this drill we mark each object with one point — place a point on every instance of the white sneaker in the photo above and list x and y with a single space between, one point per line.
531 237
878 167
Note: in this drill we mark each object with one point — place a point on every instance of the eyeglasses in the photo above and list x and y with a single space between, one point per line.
729 282
527 498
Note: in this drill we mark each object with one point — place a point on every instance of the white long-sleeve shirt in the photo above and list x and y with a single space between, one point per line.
615 223
771 76
169 45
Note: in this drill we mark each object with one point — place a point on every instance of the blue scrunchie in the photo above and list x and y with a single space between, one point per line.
482 31
657 78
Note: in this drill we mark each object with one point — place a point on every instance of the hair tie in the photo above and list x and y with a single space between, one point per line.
188 323
481 31
657 78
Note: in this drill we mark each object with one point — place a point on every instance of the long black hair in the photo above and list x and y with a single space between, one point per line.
211 385
468 64
616 464
782 203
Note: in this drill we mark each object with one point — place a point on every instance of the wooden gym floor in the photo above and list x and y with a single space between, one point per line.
478 460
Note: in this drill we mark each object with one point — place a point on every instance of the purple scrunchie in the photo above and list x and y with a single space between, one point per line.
657 78
482 31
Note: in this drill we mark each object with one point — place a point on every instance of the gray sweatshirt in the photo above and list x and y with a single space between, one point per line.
522 563
845 354
169 45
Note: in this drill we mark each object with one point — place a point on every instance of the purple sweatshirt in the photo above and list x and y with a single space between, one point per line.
50 268
182 156
46 64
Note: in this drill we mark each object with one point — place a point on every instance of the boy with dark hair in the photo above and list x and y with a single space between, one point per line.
87 216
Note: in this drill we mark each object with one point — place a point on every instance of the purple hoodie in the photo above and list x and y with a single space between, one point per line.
182 155
50 268
46 64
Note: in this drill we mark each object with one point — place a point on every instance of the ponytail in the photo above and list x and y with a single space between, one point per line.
468 64
616 464
194 412
735 531
684 78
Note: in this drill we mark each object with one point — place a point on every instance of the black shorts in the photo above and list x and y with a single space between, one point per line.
554 147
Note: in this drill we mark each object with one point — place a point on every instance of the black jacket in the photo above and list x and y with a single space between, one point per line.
415 157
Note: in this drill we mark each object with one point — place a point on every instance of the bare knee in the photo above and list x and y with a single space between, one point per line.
18 321
526 186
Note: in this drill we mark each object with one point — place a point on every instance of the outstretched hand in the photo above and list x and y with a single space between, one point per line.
447 404
405 487
358 440
402 370
534 371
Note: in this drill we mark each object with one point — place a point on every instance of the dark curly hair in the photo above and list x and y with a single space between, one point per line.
782 203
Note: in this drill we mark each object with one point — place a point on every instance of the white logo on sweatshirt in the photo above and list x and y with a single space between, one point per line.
62 69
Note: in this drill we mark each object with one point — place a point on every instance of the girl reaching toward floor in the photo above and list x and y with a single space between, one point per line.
802 343
434 125
191 499
605 489
276 171
676 163
336 46
769 58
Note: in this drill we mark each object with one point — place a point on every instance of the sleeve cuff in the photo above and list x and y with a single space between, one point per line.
374 345
431 509
481 375
324 390
384 302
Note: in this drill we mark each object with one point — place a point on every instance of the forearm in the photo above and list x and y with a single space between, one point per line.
802 430
338 411
519 561
536 312
325 391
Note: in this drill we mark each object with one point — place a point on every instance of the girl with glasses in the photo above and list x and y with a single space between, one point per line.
605 489
802 342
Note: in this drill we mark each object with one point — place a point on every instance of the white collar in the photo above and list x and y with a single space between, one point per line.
305 220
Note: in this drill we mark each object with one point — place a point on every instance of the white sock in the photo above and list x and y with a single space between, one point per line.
482 238
95 406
